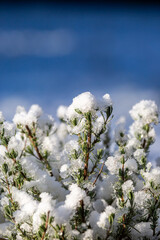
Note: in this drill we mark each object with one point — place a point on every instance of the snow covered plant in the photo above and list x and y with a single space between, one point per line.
62 181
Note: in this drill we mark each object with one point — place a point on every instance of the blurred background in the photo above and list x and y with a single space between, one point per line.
52 51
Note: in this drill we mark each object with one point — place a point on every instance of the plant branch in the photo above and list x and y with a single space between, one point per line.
46 226
15 161
88 151
32 140
82 211
98 174
8 188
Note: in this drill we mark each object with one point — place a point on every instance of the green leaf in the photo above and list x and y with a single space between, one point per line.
5 168
74 122
43 217
146 127
99 153
51 219
130 195
78 111
122 160
111 218
39 234
109 111
42 228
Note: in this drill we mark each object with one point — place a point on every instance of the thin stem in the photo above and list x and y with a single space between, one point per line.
95 165
123 219
143 144
98 174
62 237
32 140
123 172
46 226
88 151
8 188
123 179
13 159
11 217
82 211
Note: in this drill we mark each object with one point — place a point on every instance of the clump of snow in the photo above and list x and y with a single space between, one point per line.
145 110
105 102
85 102
141 230
127 186
44 207
113 164
61 112
23 118
64 212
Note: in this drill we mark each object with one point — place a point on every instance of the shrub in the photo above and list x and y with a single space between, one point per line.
72 180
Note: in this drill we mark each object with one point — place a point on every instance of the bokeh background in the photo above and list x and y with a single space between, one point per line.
52 51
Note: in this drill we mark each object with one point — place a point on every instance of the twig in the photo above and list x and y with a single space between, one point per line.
11 217
95 165
13 159
124 218
33 143
8 188
82 211
46 226
122 198
88 150
98 174
63 238
31 138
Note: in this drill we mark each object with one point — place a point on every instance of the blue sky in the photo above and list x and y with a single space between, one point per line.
50 53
